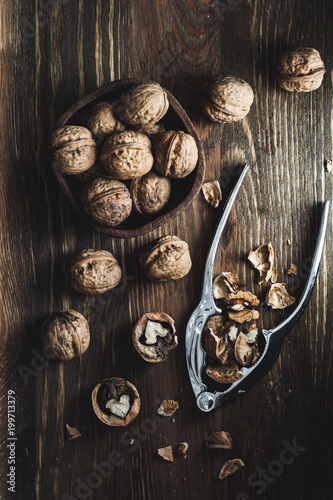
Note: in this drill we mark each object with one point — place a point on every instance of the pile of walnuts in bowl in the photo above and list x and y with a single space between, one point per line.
125 154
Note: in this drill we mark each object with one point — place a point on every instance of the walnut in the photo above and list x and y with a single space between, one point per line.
168 408
152 131
116 401
143 105
230 466
300 70
212 193
226 99
102 121
244 315
262 259
224 374
246 353
166 453
154 336
107 201
127 155
226 283
278 298
72 149
167 258
176 154
66 335
94 271
219 440
94 172
150 193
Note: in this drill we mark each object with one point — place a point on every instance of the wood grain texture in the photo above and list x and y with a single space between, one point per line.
52 54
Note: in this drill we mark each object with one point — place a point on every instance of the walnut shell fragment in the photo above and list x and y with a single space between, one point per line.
160 340
226 283
224 374
212 193
166 453
262 259
167 258
176 154
94 271
246 354
116 401
278 298
219 344
72 433
150 193
292 270
229 467
102 121
219 440
168 408
300 70
182 448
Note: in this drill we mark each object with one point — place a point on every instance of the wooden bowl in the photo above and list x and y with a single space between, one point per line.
183 191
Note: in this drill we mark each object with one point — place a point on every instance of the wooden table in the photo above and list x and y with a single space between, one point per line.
54 52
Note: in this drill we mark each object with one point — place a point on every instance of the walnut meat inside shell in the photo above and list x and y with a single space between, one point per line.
167 258
72 149
116 401
176 154
94 271
107 201
66 335
102 121
150 193
154 336
127 155
300 70
226 99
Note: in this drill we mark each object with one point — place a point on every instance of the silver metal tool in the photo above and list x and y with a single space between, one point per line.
273 339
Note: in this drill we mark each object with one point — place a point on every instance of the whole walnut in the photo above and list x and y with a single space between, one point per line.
107 201
176 154
127 155
167 258
94 172
102 121
143 105
300 70
152 131
150 193
226 99
94 271
65 335
72 149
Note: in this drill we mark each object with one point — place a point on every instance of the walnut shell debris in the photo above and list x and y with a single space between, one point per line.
300 70
329 166
162 336
110 405
176 154
107 201
72 433
102 121
150 193
182 448
66 335
278 298
166 453
72 149
219 345
167 258
168 408
212 193
246 354
224 374
94 271
226 283
219 440
143 105
262 259
226 99
127 155
274 275
292 270
230 466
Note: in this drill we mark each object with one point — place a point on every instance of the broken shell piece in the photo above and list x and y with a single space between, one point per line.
292 270
245 354
212 193
218 344
168 408
215 323
274 275
166 453
252 334
278 298
182 448
226 283
230 467
329 166
72 433
242 316
262 259
224 374
242 298
219 440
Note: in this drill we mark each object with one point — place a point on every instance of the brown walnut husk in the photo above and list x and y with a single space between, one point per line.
94 271
278 298
66 335
176 154
230 467
102 121
72 149
154 353
143 105
150 193
127 155
114 388
107 201
300 70
226 99
167 258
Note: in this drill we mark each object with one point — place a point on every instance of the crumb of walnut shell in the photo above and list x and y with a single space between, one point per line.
72 433
292 270
274 275
278 298
329 166
182 448
218 440
230 466
212 193
168 408
262 259
166 453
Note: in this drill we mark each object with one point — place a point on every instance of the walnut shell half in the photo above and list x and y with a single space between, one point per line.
66 335
107 201
167 258
102 121
176 154
94 271
300 70
72 149
150 193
